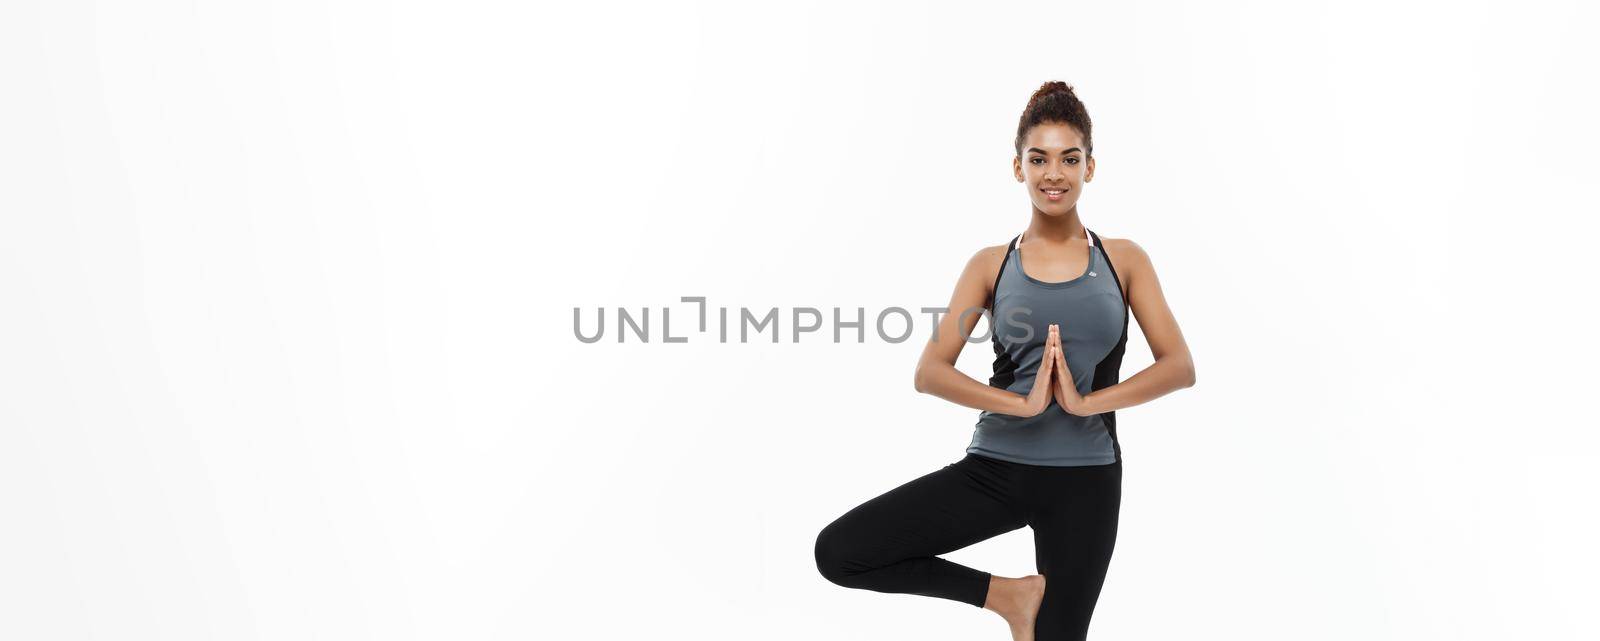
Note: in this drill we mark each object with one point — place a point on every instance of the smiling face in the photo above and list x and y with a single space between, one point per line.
1053 167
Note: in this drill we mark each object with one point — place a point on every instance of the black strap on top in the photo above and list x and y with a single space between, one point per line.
1109 266
1114 278
988 302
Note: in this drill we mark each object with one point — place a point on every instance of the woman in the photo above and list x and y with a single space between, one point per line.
1044 453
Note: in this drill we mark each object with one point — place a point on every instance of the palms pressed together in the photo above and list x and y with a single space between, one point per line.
1054 380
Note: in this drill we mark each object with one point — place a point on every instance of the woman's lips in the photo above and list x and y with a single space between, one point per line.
1057 195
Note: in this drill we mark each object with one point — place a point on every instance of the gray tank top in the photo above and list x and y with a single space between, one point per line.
1093 319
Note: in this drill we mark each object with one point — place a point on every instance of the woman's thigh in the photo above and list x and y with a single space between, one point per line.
1074 532
945 510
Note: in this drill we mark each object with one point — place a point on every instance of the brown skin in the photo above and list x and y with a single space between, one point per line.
1054 249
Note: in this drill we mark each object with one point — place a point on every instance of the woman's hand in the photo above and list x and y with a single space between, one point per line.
1043 384
1063 388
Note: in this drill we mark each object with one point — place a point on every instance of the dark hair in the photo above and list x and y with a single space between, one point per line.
1055 102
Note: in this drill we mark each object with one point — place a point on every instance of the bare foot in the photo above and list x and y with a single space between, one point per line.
1017 601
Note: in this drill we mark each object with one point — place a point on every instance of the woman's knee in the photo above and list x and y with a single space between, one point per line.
833 554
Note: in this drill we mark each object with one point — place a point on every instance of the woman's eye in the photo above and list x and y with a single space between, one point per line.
1035 160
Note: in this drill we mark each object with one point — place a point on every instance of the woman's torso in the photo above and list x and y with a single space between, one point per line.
1093 321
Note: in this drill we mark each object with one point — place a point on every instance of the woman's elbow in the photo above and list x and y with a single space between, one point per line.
1188 374
923 381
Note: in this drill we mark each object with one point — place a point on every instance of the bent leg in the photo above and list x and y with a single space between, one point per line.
889 543
1074 532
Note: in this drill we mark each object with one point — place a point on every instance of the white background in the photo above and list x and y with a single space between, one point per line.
288 296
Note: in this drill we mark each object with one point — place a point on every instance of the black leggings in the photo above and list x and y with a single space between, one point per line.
889 543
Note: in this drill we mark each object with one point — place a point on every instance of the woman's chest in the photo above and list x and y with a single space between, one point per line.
1088 314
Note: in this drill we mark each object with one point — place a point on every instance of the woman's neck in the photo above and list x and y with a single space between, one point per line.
1055 229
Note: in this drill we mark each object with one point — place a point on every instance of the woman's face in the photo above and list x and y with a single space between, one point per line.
1053 167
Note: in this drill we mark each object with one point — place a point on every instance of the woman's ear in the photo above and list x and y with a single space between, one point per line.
1016 168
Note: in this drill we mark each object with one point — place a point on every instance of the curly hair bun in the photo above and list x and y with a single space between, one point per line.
1055 101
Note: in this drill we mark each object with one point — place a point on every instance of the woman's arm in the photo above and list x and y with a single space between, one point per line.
936 370
1173 368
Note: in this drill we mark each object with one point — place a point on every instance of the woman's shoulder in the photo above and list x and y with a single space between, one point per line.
987 259
1123 251
1127 259
983 269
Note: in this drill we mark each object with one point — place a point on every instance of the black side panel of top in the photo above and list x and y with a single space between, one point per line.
1005 369
1109 371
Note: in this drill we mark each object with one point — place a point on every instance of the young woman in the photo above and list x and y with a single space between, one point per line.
1044 453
